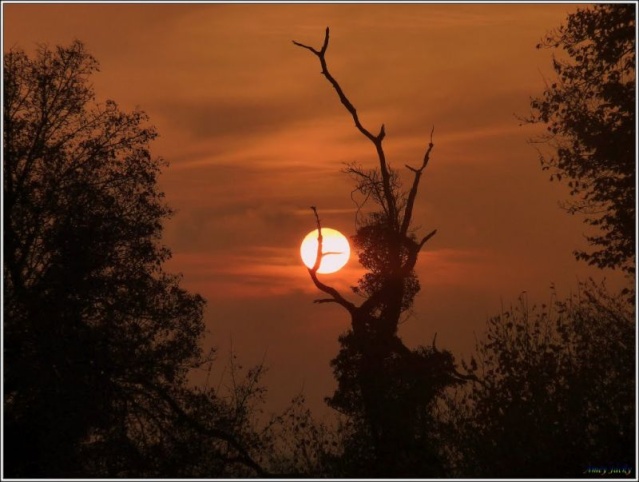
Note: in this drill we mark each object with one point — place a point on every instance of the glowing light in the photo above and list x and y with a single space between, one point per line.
335 248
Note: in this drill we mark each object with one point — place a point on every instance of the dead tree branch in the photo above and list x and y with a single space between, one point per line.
336 297
375 139
384 189
408 212
387 198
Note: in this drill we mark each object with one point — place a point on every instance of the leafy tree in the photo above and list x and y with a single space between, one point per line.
98 339
590 115
555 391
384 387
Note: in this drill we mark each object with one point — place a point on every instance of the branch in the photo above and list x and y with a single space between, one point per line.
331 252
426 238
408 212
342 97
414 250
461 377
325 300
376 140
324 47
467 377
320 238
244 458
368 184
336 296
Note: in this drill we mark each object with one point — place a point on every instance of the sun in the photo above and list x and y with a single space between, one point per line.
334 246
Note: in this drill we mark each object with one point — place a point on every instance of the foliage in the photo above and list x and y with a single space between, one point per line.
387 392
372 242
556 391
298 445
98 339
590 115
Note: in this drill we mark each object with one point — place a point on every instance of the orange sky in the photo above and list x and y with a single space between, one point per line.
255 135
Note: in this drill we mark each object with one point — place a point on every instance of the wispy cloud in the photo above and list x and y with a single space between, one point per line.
257 272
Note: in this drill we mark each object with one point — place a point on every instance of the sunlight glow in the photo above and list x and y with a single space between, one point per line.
334 246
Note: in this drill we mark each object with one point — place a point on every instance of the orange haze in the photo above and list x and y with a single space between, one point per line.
255 135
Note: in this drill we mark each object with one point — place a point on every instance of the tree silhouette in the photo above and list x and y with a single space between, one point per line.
590 113
555 395
98 339
384 386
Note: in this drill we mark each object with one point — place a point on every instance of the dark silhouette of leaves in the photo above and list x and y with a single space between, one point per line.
98 339
556 391
590 115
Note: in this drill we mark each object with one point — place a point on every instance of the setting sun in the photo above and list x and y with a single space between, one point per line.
334 246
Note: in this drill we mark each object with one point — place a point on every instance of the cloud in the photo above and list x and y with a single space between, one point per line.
239 118
255 273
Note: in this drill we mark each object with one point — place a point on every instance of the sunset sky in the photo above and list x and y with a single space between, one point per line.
255 135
